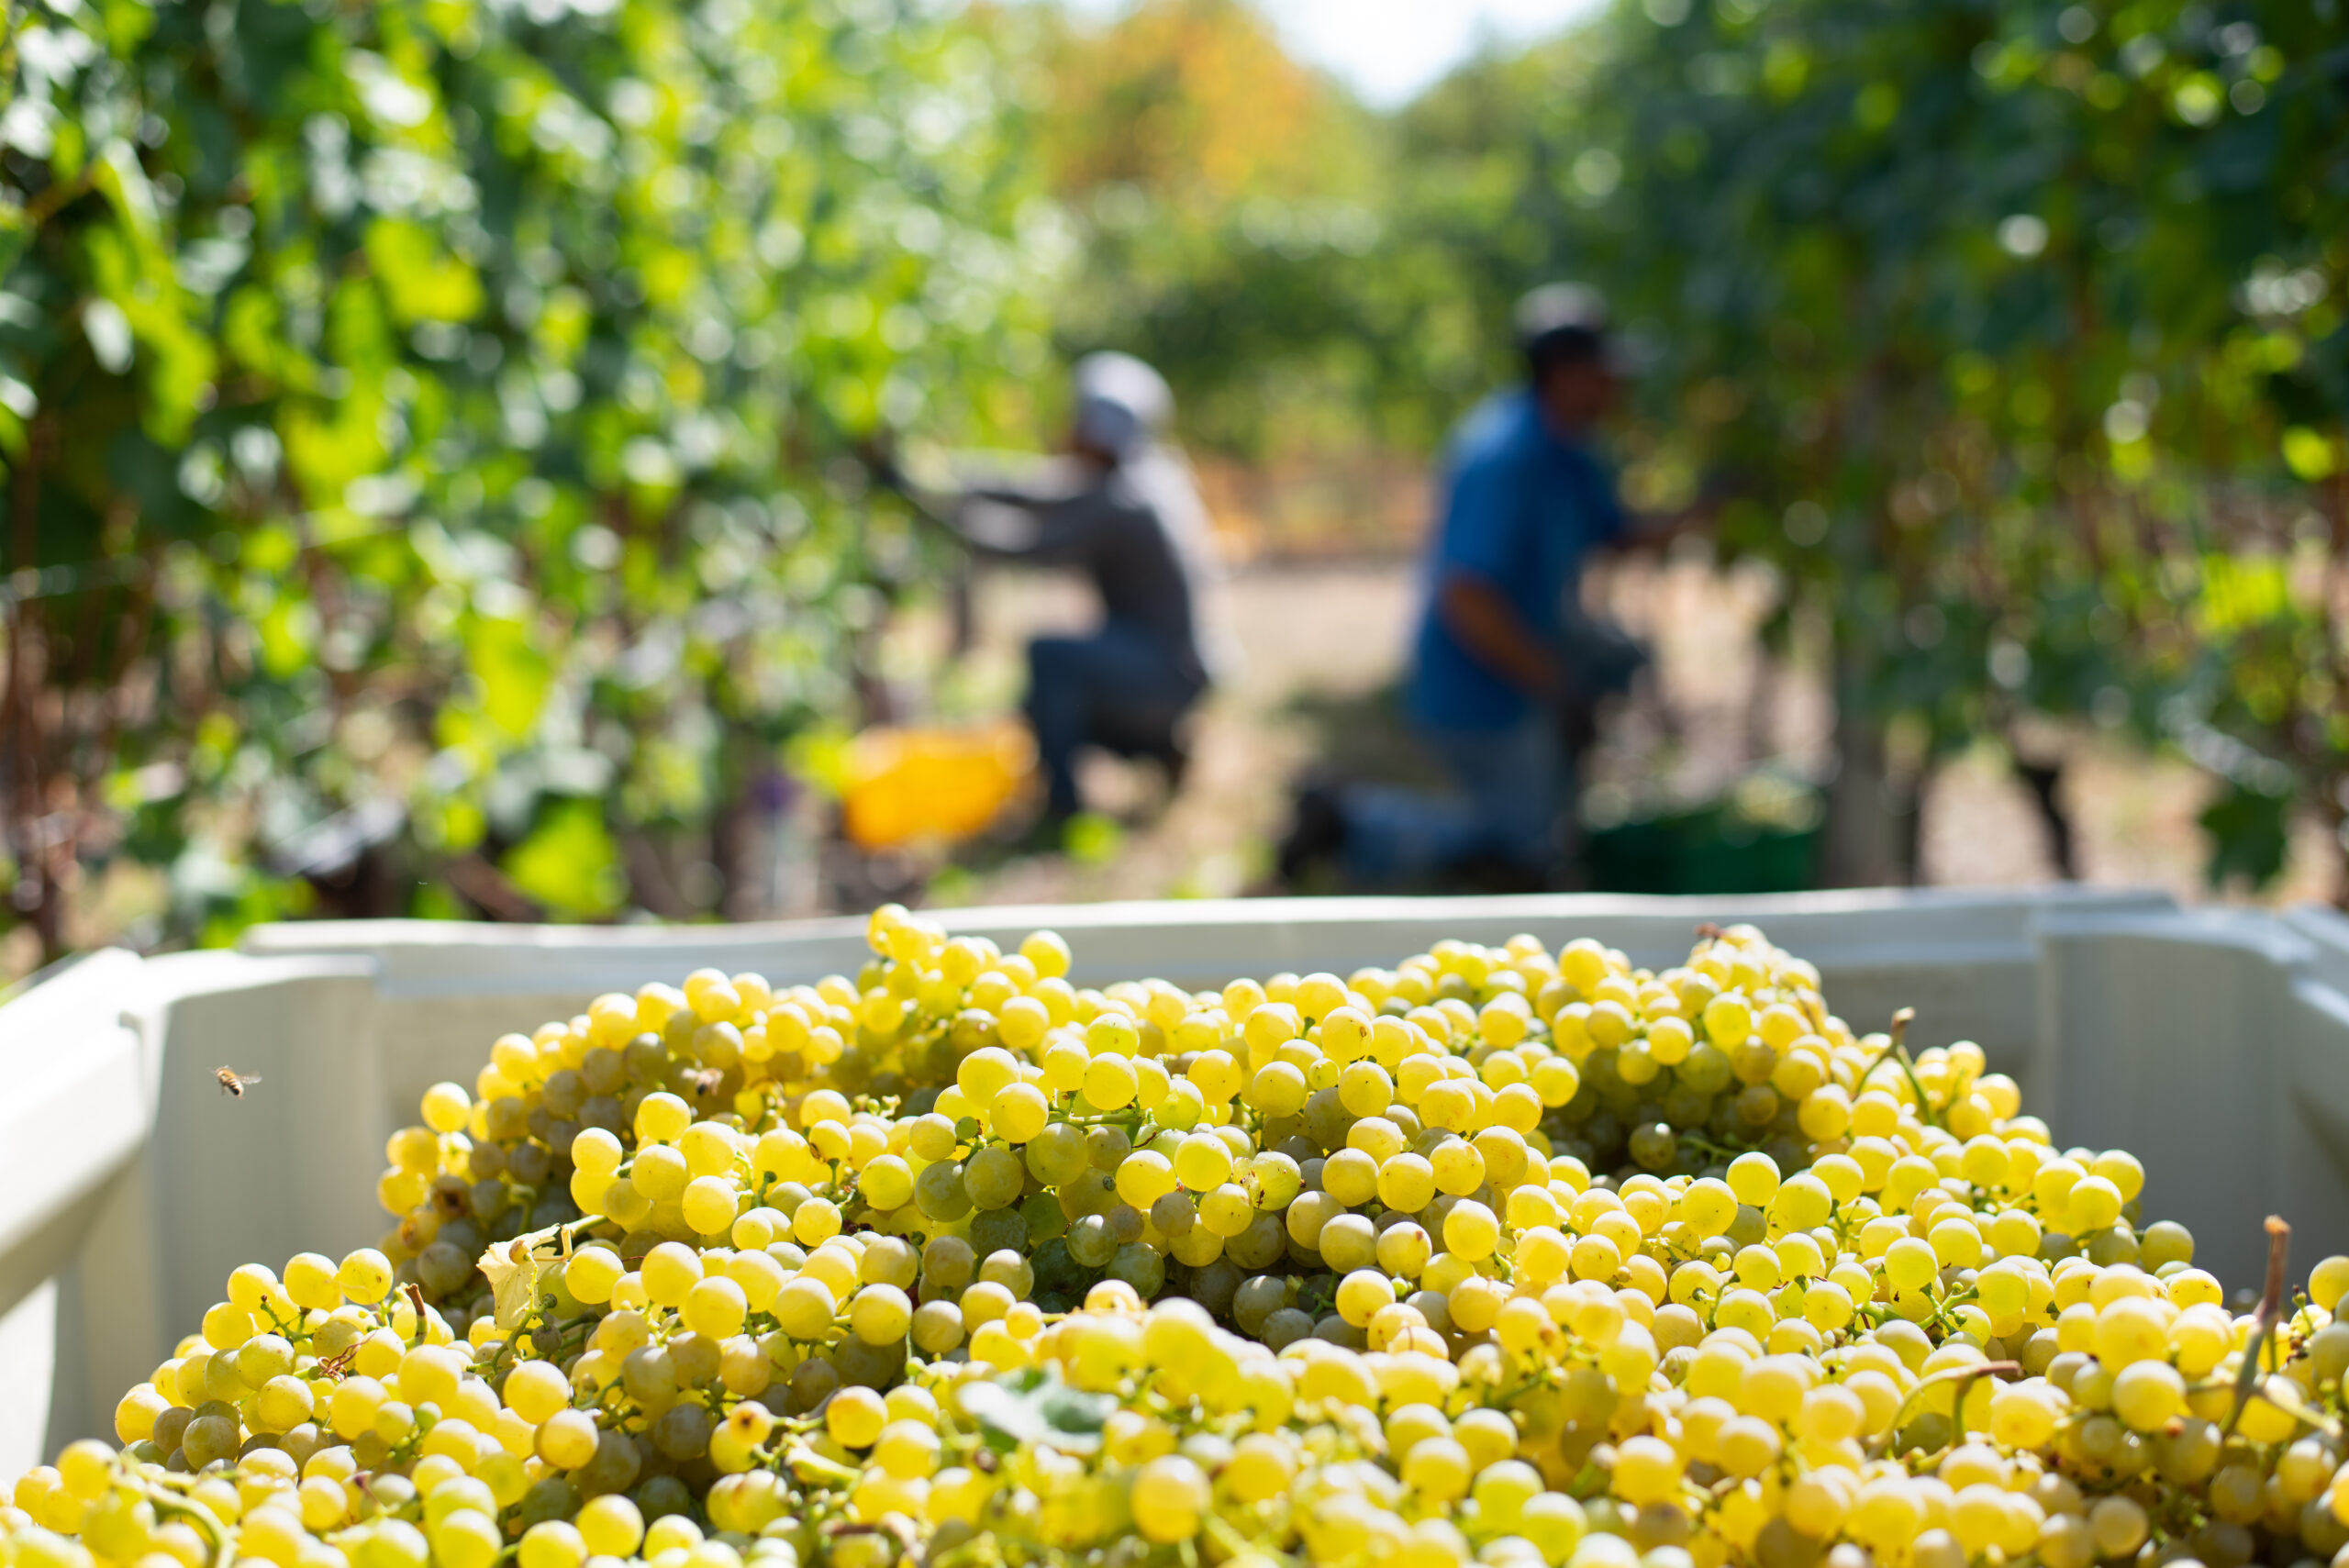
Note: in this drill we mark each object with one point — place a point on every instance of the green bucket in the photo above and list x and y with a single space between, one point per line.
1707 848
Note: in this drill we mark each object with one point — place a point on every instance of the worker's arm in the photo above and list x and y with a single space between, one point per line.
1489 627
1655 531
1041 531
1484 541
1038 517
1651 531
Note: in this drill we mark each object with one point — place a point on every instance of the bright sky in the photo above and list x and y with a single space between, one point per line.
1388 51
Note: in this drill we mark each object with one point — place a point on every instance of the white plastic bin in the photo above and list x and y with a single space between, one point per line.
2214 1044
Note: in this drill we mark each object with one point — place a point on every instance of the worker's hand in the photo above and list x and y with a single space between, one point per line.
1657 530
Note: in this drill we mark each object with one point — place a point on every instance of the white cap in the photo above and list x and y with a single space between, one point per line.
1122 402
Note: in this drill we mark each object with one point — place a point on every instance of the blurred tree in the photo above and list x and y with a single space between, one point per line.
1192 103
2022 325
1987 302
421 428
1223 194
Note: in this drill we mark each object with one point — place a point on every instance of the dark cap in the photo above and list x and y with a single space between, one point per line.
1564 324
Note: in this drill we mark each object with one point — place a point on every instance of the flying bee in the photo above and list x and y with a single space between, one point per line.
706 1081
232 1083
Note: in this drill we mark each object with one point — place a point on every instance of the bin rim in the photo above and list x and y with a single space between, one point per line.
294 936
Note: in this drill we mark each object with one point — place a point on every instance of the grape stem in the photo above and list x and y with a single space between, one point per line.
1945 1305
1711 1149
1227 1541
562 1333
166 1501
808 1465
416 1299
2271 1306
1896 1049
1963 1374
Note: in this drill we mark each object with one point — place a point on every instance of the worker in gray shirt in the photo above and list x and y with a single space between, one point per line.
1121 507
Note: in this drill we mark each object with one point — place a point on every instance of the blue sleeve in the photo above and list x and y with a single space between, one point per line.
1484 522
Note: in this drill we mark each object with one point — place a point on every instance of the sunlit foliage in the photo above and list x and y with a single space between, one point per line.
422 428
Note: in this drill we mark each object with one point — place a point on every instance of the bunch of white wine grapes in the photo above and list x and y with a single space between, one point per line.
957 1264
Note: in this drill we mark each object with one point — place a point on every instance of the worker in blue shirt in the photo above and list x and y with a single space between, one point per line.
1501 656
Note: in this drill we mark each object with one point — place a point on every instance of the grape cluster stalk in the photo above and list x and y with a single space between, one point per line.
1501 1256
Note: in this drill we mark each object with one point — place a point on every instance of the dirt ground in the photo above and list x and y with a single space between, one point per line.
1320 642
1320 638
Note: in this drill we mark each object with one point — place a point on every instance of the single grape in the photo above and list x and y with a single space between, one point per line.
993 1177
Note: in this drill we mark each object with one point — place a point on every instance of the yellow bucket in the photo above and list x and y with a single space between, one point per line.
909 784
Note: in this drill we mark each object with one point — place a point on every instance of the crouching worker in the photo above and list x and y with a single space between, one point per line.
1120 505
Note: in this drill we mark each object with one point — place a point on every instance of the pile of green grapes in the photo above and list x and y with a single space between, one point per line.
1500 1256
